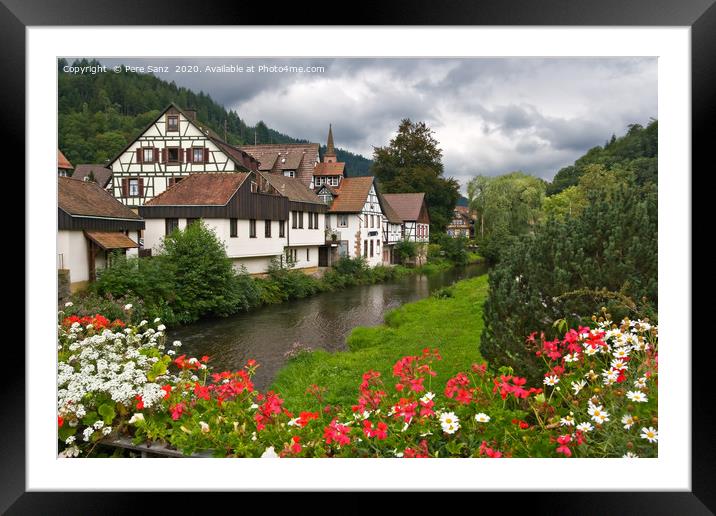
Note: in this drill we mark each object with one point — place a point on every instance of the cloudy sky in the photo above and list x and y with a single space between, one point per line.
491 116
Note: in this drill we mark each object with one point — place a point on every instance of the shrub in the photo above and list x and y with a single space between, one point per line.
406 250
606 257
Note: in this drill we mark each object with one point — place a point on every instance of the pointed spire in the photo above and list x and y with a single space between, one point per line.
330 150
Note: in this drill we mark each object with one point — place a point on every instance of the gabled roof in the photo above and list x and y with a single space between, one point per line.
102 175
352 194
234 153
208 189
111 239
87 199
292 188
406 205
388 211
62 161
277 157
329 169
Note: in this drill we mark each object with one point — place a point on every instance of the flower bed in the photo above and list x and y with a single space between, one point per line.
598 399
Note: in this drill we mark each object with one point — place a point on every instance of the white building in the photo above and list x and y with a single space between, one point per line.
170 148
251 216
91 226
412 209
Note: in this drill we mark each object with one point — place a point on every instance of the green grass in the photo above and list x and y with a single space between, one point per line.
453 325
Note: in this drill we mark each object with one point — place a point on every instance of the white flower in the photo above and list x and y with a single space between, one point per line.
630 455
621 353
449 422
70 439
650 434
566 421
427 397
161 327
128 306
571 357
578 386
136 418
640 383
293 422
585 427
599 415
106 430
551 380
270 453
176 343
204 427
637 396
157 319
482 418
628 421
87 433
98 424
254 406
142 322
68 304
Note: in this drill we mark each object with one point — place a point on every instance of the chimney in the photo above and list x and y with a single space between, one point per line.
191 113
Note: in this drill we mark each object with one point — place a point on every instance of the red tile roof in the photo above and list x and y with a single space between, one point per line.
84 198
352 194
213 189
388 211
102 175
406 205
111 239
329 169
278 157
292 188
62 161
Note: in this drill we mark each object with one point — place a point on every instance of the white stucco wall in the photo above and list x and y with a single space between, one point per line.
72 245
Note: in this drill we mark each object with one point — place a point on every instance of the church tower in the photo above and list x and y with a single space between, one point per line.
330 155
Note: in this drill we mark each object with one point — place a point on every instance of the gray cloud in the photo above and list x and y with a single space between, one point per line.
490 115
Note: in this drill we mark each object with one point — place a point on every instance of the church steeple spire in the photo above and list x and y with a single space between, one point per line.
330 149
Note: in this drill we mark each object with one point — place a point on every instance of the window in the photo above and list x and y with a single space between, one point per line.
365 249
252 228
310 221
333 180
134 187
371 248
170 225
148 155
172 154
320 181
289 173
190 221
300 220
173 180
198 154
233 228
308 254
315 221
342 221
281 228
267 228
294 219
172 122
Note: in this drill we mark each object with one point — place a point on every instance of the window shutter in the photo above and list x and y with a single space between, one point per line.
139 155
181 155
188 155
206 155
140 184
164 155
125 187
156 154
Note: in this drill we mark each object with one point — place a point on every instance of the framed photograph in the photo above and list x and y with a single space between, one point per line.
435 234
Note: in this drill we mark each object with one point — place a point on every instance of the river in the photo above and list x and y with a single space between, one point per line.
320 321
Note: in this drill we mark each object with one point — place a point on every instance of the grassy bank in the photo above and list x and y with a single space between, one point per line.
452 323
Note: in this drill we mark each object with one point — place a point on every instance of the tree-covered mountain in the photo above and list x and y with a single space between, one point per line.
98 114
637 150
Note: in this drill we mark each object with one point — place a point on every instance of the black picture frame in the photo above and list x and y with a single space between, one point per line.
700 15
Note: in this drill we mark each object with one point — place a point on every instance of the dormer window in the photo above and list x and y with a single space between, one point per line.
333 180
289 173
172 123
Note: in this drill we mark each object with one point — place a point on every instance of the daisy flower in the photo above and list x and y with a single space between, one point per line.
566 421
599 415
482 417
650 434
585 427
449 422
578 386
628 421
640 383
630 455
551 380
637 396
571 357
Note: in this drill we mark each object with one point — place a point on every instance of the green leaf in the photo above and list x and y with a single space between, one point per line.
107 411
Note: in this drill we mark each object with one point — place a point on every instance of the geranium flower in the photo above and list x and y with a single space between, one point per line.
177 410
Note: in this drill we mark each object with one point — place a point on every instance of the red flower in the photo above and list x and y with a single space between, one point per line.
490 452
60 421
305 417
140 401
295 446
420 453
167 390
202 392
205 358
335 432
177 410
380 431
563 440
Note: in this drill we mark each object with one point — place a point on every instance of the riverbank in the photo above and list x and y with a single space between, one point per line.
451 322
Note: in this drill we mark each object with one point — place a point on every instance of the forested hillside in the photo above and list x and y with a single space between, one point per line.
99 114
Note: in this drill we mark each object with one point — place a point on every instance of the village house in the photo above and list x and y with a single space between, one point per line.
392 232
169 149
413 210
460 225
64 167
295 160
259 218
91 226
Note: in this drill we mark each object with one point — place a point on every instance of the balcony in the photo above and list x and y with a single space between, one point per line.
333 236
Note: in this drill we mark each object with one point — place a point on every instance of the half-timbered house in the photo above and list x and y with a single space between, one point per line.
91 226
169 149
460 225
246 213
413 210
64 167
295 160
392 232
